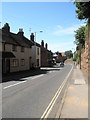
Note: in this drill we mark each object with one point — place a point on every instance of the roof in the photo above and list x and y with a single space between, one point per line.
55 55
12 38
22 40
37 44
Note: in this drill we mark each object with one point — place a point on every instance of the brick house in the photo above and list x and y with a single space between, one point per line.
46 55
16 51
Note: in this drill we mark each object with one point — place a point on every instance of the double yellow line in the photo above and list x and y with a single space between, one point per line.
52 103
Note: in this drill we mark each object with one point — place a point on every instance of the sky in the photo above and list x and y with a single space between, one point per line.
57 20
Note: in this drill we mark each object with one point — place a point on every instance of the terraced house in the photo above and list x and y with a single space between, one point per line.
46 55
36 52
16 51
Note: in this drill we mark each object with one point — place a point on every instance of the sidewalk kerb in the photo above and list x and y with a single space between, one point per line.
62 103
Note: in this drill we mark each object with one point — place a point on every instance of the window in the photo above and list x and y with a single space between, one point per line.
15 63
22 49
14 48
37 51
38 62
22 62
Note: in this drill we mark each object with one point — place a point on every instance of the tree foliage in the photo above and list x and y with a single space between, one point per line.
80 36
76 57
69 54
83 10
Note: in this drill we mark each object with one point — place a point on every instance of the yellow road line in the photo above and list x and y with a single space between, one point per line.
52 103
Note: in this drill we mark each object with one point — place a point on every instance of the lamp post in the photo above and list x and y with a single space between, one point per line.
35 46
0 24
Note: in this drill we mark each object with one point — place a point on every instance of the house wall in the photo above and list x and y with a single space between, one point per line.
35 56
38 56
44 57
19 55
0 46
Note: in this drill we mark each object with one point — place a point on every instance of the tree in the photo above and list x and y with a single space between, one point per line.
59 57
69 54
83 10
80 36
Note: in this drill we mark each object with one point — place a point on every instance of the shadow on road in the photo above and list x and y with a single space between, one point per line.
17 76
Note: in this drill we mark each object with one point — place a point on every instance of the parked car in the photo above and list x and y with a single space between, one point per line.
61 64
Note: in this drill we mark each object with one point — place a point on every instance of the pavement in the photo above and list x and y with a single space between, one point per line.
75 101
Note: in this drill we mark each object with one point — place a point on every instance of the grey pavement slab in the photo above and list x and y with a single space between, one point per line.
76 100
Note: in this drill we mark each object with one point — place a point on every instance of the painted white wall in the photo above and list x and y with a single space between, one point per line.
35 56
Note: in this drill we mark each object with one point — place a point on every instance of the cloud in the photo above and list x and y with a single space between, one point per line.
66 31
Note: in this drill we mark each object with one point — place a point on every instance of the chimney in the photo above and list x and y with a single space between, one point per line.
46 45
20 33
6 27
42 43
32 37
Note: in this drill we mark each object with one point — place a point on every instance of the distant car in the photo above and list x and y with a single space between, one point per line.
61 64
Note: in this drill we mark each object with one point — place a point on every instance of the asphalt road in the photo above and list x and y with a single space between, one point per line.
29 96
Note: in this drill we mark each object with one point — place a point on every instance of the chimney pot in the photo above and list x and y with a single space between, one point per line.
42 43
32 37
46 45
6 27
20 33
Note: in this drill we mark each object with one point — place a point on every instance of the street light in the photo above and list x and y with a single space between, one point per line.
0 24
35 34
35 45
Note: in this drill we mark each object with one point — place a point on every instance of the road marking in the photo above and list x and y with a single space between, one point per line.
79 81
53 101
14 84
23 81
36 76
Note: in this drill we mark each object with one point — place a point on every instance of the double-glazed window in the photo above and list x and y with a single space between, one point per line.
14 48
22 62
15 63
22 49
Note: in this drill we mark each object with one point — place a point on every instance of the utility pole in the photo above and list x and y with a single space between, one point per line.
35 47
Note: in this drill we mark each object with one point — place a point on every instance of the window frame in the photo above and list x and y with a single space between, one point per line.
38 51
14 48
15 63
22 48
22 62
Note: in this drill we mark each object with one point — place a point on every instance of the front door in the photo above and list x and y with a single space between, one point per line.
7 65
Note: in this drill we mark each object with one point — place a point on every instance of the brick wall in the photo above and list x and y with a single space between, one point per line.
85 57
89 51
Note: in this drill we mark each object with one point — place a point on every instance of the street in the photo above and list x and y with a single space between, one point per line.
29 97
